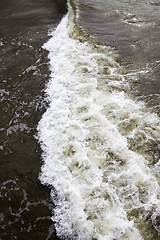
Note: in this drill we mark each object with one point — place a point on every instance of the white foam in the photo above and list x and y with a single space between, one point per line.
98 177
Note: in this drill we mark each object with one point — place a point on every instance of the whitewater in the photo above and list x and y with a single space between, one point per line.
100 144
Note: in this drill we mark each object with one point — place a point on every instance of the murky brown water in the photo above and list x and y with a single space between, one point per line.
133 29
25 207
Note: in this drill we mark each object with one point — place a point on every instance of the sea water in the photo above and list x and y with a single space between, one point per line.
100 142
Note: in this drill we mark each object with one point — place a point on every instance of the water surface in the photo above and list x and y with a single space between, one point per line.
25 206
100 134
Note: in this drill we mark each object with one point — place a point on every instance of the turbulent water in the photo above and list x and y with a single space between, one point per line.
95 110
101 132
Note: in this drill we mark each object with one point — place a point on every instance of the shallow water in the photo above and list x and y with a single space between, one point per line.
100 134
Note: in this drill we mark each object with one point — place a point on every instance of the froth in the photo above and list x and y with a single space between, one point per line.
91 136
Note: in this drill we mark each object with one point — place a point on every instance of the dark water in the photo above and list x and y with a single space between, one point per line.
25 206
133 29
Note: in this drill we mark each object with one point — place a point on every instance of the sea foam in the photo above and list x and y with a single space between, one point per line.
104 182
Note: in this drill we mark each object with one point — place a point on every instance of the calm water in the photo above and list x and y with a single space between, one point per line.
25 206
93 105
